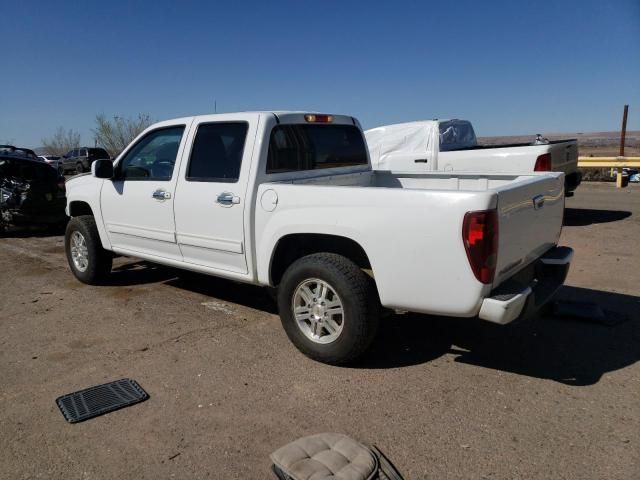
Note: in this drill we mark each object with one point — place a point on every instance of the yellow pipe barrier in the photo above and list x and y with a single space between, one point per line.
610 162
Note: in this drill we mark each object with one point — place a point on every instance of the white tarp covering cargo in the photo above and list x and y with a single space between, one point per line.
401 142
402 145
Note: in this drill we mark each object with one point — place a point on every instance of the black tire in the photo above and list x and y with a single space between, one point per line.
359 302
79 167
99 260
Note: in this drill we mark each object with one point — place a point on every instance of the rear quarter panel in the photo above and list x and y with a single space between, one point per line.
492 160
413 238
522 159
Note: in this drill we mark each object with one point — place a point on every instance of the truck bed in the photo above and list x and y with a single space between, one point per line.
507 145
412 225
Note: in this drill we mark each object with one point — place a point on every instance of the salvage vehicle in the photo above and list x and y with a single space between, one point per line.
17 152
451 145
31 192
289 200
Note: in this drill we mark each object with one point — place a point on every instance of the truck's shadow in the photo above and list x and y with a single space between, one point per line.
567 351
580 217
142 272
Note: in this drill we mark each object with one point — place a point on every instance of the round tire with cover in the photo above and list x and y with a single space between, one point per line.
328 307
89 262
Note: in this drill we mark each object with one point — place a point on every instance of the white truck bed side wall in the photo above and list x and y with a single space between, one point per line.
415 242
494 160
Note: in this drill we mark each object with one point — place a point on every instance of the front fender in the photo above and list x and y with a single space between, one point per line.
86 189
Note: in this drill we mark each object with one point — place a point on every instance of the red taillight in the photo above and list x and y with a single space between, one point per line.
543 163
318 118
61 184
480 238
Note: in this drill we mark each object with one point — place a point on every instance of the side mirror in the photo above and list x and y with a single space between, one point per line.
102 169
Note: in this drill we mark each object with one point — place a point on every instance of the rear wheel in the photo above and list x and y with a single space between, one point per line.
89 262
328 308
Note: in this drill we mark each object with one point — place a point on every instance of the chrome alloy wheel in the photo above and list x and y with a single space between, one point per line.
79 251
318 311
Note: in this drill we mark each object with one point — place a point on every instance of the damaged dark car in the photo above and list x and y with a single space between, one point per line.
32 194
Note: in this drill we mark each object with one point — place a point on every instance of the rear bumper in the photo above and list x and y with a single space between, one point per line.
525 293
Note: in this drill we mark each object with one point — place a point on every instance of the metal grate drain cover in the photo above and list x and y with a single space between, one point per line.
101 399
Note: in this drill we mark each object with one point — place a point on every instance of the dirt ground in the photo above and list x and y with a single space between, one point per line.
443 398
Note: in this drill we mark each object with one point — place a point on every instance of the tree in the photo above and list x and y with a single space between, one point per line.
61 142
114 135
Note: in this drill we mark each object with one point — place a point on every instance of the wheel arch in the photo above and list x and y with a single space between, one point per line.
80 207
293 246
83 206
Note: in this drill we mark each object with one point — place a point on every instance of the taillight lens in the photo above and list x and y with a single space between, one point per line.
543 163
61 184
480 237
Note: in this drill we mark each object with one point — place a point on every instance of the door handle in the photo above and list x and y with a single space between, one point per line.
226 199
161 195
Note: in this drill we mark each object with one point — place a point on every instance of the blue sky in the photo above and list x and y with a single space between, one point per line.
510 67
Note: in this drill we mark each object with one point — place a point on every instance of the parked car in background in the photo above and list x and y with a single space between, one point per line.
31 192
54 161
451 146
18 152
79 160
289 200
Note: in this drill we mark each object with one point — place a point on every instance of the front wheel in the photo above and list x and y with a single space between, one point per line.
328 308
89 262
79 167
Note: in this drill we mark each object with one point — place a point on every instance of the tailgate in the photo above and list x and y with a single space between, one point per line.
564 156
529 220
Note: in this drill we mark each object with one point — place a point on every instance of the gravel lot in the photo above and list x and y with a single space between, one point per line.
445 399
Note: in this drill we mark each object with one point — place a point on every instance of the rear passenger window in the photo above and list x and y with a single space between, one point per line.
217 151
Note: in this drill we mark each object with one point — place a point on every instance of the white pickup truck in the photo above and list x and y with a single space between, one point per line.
451 146
289 200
